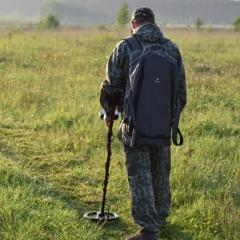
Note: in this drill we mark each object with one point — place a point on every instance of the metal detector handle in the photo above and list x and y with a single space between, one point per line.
109 141
113 105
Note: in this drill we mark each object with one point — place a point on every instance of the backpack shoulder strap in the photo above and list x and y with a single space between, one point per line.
134 43
163 40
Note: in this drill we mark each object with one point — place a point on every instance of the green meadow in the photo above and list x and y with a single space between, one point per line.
53 142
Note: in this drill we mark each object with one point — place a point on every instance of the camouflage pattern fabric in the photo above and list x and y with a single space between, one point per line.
148 167
148 170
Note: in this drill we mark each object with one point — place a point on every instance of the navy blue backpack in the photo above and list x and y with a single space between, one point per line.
151 105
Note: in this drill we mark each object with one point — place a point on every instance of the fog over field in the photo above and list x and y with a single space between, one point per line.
214 12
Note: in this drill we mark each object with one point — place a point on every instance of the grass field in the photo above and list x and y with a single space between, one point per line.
53 143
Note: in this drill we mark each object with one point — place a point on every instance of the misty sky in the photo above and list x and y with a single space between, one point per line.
220 12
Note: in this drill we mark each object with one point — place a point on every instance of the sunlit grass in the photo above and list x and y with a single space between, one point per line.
53 143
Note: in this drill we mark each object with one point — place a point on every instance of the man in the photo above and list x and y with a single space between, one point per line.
148 167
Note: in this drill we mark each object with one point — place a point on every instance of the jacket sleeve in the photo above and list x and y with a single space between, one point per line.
116 74
182 88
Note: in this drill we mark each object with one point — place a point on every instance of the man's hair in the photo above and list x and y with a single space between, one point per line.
143 15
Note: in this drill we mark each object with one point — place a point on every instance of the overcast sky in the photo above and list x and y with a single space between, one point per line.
215 12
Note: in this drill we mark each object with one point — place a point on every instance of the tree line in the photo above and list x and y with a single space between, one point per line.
52 11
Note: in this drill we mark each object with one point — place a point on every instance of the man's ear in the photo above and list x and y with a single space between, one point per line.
134 25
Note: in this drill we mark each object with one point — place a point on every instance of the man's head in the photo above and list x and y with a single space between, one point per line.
143 15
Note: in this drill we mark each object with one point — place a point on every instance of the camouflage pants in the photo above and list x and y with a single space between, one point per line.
148 169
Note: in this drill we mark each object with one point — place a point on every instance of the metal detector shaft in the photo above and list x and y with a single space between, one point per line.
106 215
109 153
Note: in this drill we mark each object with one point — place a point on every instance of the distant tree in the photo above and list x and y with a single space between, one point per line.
123 15
49 22
236 24
199 23
55 7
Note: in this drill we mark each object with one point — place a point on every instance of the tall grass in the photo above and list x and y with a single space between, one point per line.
53 143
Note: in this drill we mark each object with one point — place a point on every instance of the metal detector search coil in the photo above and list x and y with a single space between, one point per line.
97 216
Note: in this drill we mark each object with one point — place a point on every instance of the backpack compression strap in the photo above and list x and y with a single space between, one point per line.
175 130
163 40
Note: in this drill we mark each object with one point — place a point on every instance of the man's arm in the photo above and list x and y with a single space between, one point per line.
116 75
182 87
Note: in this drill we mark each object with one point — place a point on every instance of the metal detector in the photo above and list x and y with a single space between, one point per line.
106 215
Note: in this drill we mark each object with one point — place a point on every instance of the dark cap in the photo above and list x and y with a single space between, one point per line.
143 13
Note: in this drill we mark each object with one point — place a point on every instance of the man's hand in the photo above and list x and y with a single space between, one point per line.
106 119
